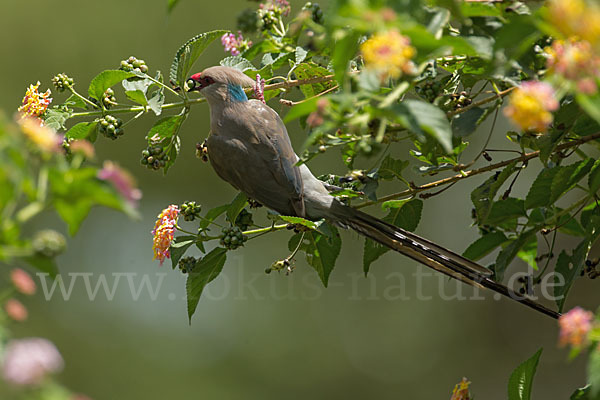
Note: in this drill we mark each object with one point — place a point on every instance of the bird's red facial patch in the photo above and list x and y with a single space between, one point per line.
199 82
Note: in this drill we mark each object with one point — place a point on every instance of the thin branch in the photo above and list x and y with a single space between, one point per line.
466 174
480 102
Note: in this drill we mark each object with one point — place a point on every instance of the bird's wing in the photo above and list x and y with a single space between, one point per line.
266 137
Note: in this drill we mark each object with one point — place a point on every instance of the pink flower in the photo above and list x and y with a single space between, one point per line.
235 45
122 180
84 147
22 281
15 310
164 232
531 106
574 60
575 326
259 88
28 361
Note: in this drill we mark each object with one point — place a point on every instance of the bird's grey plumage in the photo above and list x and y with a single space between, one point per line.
249 147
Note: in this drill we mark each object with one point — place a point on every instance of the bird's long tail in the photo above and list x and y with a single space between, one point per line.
430 254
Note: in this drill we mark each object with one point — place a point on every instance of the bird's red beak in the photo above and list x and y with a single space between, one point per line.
194 83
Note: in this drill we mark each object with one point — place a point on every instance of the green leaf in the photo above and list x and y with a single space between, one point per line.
81 130
187 55
569 267
503 210
156 101
171 5
521 379
164 129
594 178
420 116
405 214
590 104
483 195
300 110
466 123
56 119
236 206
298 220
593 372
205 271
237 62
300 55
344 50
211 215
528 252
179 246
477 9
321 250
105 80
569 176
137 96
312 70
43 264
583 393
75 101
508 253
540 193
485 245
391 168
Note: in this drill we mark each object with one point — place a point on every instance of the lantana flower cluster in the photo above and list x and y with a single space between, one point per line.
35 103
235 45
122 180
576 18
531 105
279 7
389 54
575 327
575 60
164 232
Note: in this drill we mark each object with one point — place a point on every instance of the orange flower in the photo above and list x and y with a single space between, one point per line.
575 326
34 102
45 138
164 231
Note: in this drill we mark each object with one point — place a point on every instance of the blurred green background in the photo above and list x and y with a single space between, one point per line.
254 335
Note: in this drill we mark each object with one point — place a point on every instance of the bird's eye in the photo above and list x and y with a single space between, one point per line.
209 80
191 84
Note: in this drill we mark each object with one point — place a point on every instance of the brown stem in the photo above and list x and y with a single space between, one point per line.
480 102
466 174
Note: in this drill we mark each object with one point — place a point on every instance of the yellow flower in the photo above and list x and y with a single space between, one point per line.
164 231
35 103
45 138
389 53
461 390
574 60
531 105
576 18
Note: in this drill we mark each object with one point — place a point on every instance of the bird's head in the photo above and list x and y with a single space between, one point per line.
220 84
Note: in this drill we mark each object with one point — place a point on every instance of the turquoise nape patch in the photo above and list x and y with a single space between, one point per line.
236 93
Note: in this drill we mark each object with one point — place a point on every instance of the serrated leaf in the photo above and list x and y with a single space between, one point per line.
105 80
503 210
237 62
508 253
300 221
236 206
300 55
311 70
405 215
56 119
75 101
594 178
179 246
568 176
485 245
540 193
568 268
321 251
141 84
187 55
521 379
137 96
391 168
422 117
483 195
81 130
205 271
164 129
156 101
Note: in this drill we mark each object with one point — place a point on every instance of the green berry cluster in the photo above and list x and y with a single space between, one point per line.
248 21
316 11
232 238
154 157
48 243
430 90
190 210
186 264
62 82
110 127
109 99
244 220
133 64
